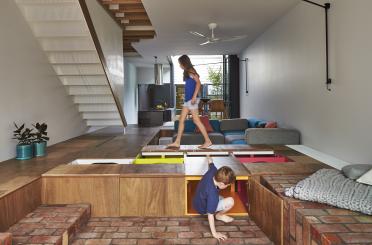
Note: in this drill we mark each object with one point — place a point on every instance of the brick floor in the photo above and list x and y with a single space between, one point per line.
315 223
48 223
5 238
182 230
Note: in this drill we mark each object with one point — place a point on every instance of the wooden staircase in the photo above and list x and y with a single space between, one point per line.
132 17
63 33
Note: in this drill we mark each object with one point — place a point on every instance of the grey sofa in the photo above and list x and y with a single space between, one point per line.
239 131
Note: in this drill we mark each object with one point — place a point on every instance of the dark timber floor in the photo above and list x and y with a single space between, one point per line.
109 142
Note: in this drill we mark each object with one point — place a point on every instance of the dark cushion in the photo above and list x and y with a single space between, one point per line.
233 124
354 171
190 126
198 139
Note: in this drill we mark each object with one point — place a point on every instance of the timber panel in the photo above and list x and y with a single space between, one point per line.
266 210
19 203
152 196
101 192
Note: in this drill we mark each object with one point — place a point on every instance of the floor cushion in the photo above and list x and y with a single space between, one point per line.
366 179
354 171
331 187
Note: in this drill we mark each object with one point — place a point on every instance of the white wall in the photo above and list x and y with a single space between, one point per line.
30 90
130 93
287 76
145 75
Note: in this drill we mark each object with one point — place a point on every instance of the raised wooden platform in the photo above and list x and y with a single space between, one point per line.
162 150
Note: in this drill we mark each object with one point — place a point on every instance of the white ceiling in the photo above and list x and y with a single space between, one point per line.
173 19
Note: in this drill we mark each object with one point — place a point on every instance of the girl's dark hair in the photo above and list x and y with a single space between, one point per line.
188 67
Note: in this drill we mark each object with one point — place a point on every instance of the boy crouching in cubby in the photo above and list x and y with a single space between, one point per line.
207 199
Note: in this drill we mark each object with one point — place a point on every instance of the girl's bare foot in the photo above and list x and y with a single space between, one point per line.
205 145
224 218
173 146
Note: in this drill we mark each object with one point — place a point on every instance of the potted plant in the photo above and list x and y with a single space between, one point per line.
40 139
24 147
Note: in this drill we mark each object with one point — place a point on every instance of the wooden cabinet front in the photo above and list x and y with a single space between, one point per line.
101 192
266 210
151 196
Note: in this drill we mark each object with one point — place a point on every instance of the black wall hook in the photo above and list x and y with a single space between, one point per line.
326 8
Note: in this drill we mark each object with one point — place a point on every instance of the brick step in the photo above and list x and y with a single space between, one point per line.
6 238
50 224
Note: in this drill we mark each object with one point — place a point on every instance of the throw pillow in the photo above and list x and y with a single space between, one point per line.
354 171
271 125
206 123
366 178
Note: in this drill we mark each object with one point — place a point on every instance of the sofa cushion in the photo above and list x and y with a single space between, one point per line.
233 124
272 136
190 126
207 125
271 125
254 122
239 142
234 132
354 171
230 138
197 139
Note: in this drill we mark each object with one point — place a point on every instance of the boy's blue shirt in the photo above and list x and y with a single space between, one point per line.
207 195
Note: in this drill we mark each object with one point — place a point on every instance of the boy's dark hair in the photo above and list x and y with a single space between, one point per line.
225 175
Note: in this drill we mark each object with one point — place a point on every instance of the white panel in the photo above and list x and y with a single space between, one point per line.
94 99
101 115
67 44
84 80
104 123
44 2
52 12
97 107
78 90
60 29
88 69
74 57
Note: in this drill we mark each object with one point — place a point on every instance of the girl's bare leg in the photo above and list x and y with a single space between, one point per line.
181 127
203 131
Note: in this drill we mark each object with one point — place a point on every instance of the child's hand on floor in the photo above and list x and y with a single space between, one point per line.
219 236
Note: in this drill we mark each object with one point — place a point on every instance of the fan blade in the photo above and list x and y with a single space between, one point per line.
197 34
230 39
205 43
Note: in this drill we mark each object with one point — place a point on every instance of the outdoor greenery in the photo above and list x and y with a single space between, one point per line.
215 77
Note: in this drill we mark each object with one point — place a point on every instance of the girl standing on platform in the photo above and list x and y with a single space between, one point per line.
192 87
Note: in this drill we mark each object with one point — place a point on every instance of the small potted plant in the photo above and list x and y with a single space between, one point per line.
24 147
40 139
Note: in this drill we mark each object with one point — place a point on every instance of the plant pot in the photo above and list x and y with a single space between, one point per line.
40 149
24 152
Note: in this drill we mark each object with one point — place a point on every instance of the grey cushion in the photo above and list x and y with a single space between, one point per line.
198 139
272 136
233 124
231 137
354 171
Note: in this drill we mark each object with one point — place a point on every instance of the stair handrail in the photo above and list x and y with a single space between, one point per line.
101 56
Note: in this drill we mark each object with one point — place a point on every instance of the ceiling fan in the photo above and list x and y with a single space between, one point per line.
213 39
